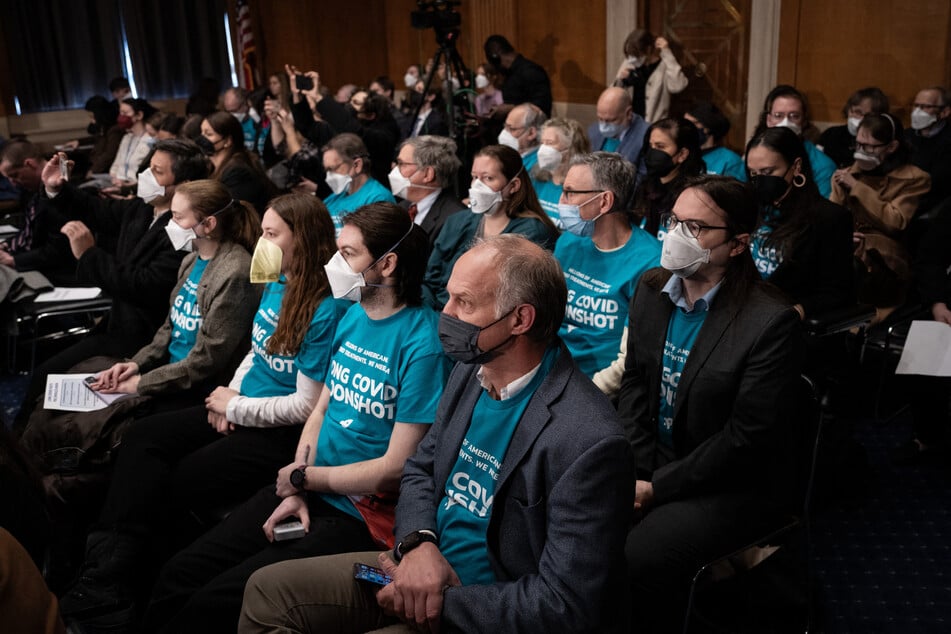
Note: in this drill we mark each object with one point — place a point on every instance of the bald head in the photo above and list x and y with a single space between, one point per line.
615 106
524 123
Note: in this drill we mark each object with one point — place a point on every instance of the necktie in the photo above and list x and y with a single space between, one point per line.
412 211
23 240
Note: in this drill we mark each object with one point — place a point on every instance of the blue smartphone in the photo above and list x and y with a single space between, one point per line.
363 572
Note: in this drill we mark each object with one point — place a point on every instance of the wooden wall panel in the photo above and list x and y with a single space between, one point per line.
830 49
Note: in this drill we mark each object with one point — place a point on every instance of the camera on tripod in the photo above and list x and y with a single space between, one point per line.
439 15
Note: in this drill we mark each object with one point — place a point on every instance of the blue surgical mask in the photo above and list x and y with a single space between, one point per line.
572 221
610 130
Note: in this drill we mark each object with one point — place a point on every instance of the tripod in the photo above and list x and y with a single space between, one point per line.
455 69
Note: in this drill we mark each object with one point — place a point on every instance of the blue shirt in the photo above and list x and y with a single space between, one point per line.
276 374
725 162
682 330
185 314
463 514
600 287
343 203
382 371
530 160
822 168
548 195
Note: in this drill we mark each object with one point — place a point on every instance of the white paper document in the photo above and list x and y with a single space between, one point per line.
69 392
927 350
69 294
8 229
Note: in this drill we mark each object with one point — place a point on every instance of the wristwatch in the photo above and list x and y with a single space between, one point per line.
299 478
413 540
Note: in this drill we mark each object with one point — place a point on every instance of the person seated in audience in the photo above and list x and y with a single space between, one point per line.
432 116
424 176
235 167
164 125
501 200
803 242
523 81
707 399
671 156
38 245
199 344
882 189
489 95
492 548
786 107
120 90
185 460
838 141
371 121
652 73
345 93
106 134
928 395
411 76
236 102
279 90
603 254
135 145
562 140
122 247
347 166
522 132
385 87
930 141
303 157
713 127
618 128
385 377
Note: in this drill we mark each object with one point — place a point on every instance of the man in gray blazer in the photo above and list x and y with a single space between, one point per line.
513 510
618 128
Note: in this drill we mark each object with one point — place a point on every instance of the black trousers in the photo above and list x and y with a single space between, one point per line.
201 588
672 541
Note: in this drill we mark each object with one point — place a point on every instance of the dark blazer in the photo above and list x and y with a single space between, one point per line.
631 144
731 431
819 273
444 206
141 269
49 252
560 513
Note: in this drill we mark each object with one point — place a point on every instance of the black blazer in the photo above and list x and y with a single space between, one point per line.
731 430
444 206
819 273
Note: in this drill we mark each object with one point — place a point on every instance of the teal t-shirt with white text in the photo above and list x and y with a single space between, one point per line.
185 314
343 203
548 196
682 331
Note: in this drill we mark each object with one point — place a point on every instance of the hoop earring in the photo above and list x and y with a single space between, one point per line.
799 180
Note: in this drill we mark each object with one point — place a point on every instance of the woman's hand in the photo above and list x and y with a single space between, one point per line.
295 505
110 380
844 179
218 400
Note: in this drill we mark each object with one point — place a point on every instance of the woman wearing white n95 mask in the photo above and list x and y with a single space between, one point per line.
501 200
562 140
347 167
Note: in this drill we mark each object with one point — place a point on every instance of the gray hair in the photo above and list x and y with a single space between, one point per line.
437 152
534 116
528 274
610 172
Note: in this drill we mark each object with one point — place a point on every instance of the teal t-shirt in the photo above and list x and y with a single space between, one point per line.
725 162
610 145
600 287
530 160
767 259
186 314
822 168
682 331
463 515
548 195
276 374
382 371
343 203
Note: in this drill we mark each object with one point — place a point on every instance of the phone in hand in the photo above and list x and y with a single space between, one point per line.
369 574
304 82
63 167
288 530
90 380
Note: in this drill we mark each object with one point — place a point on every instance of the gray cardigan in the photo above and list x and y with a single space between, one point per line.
228 302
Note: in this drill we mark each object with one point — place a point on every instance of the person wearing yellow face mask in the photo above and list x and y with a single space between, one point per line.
254 421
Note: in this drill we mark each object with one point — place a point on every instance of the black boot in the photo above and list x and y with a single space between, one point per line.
105 582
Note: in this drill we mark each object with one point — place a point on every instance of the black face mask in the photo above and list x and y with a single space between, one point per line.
658 163
207 147
460 339
769 189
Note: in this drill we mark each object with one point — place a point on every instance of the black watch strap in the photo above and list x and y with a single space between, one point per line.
412 540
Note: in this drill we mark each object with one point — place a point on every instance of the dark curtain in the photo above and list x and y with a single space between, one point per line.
61 53
174 43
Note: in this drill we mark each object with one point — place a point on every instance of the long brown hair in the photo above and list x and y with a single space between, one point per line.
307 284
237 220
523 203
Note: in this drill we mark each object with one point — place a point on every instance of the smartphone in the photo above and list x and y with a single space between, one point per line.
304 82
64 168
363 572
292 529
89 380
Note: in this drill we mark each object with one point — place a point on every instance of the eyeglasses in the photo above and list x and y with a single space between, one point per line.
400 164
567 193
779 116
868 147
512 128
928 106
669 222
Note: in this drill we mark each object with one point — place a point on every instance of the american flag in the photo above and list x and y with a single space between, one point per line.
246 41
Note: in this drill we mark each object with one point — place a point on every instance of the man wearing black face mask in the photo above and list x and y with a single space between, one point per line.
516 500
524 80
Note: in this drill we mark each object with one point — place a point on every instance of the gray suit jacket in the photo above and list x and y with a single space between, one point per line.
560 515
630 146
732 427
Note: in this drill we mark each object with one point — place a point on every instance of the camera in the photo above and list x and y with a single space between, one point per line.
439 15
